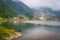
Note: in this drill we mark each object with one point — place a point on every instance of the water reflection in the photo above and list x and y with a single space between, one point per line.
35 32
42 33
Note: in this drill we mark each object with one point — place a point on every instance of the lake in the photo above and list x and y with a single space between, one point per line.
33 31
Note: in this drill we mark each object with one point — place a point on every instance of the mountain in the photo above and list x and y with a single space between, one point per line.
47 12
5 10
57 13
20 8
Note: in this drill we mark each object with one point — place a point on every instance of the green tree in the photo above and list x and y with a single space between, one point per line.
5 32
5 10
29 15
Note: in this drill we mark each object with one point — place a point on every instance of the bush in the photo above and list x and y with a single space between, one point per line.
5 32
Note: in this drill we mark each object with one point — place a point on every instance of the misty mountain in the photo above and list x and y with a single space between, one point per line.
57 13
19 7
47 12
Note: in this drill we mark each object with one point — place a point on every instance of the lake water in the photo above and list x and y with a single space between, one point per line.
37 30
40 32
33 31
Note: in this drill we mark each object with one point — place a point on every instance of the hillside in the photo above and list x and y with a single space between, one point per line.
5 10
47 12
19 8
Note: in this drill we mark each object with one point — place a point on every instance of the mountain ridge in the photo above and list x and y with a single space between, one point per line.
5 10
20 8
47 12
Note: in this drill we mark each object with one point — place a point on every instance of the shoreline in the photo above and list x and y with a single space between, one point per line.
13 37
43 22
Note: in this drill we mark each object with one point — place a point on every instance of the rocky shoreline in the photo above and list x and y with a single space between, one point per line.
14 37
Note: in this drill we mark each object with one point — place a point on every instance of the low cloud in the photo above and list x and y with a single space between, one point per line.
55 4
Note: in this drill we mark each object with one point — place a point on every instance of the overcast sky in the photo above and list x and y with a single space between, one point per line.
55 4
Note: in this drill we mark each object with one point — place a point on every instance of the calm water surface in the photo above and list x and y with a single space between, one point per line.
38 32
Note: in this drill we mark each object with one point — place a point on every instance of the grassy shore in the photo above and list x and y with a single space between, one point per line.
5 32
